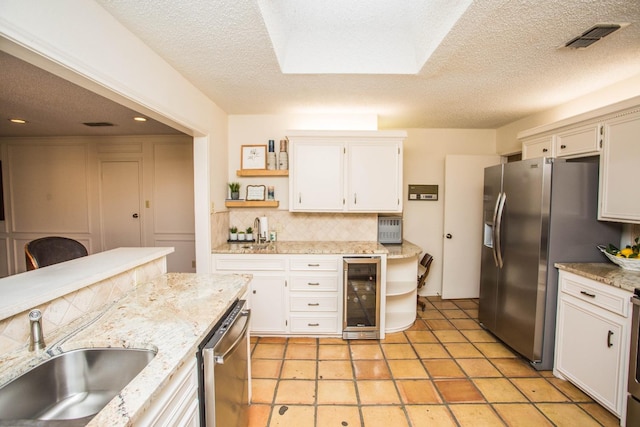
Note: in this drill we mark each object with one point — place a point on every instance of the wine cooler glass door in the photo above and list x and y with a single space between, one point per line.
362 298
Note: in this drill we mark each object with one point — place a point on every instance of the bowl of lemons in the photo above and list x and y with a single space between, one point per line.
627 257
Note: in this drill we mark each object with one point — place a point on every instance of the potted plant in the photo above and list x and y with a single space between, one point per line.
234 188
233 233
240 235
249 235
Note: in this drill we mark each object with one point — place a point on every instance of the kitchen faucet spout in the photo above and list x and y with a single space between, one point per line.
36 341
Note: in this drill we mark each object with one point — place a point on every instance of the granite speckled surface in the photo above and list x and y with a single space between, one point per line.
607 273
407 249
170 314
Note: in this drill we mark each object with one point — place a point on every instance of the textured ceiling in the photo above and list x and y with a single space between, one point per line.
55 107
499 63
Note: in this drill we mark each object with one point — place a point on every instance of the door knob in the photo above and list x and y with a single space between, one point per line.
135 215
448 236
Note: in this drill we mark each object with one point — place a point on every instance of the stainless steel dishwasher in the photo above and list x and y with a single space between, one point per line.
224 376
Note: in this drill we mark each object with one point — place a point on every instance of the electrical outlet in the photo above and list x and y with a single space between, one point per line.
147 204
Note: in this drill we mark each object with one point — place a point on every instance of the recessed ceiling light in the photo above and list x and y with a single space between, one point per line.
18 121
140 119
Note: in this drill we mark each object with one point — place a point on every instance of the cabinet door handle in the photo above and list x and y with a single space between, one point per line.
609 343
313 284
299 197
587 294
313 324
355 198
313 304
563 146
254 292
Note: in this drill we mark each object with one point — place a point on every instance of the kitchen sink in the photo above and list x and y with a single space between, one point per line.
74 385
257 246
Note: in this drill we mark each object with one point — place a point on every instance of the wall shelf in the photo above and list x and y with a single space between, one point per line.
262 172
251 203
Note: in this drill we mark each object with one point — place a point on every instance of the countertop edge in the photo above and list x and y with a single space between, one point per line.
606 273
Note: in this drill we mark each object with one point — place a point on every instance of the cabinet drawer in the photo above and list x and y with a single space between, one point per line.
250 264
607 297
306 302
314 264
311 324
314 283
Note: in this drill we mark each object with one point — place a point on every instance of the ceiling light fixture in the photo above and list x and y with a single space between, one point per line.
140 119
18 121
592 35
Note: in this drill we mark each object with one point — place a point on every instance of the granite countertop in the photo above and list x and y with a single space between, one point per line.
317 247
605 272
170 314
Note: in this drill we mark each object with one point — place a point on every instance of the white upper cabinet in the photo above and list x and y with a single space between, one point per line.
618 193
316 178
356 171
578 141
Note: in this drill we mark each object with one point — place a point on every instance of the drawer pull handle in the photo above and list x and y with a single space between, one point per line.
563 146
609 343
587 294
544 150
313 265
313 324
313 304
313 283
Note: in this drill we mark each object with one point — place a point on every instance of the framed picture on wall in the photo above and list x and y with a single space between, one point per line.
256 192
253 157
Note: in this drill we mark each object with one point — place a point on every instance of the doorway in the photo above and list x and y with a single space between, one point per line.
120 204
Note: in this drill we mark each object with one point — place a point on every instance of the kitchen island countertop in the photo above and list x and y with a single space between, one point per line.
170 314
607 273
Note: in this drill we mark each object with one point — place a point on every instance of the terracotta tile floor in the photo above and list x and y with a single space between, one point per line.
444 371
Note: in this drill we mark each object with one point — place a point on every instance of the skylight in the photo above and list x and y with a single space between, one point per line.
358 36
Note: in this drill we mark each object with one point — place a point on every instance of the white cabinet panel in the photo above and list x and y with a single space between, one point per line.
592 339
374 177
267 298
316 176
578 141
538 147
618 193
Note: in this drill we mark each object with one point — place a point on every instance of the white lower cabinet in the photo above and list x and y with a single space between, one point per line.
176 404
267 289
290 294
592 339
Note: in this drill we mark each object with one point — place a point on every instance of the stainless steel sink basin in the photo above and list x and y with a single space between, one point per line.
257 246
74 385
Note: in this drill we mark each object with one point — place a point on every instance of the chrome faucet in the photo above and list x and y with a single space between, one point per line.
257 226
37 336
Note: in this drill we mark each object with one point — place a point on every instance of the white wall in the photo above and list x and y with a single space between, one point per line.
506 136
424 154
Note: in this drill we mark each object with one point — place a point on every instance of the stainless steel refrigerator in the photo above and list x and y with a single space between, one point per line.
536 212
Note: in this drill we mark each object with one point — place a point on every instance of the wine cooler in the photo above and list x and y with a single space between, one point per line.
361 317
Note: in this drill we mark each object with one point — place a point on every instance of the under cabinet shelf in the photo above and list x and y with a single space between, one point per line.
262 172
251 203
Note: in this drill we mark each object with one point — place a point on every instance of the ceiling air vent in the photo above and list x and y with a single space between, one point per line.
98 124
592 35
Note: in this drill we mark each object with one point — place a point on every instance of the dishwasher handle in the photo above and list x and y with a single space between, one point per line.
246 315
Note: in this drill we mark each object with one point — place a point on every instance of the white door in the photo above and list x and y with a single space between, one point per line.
463 191
120 204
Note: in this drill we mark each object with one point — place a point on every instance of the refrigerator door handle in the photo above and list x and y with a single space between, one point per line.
493 229
498 230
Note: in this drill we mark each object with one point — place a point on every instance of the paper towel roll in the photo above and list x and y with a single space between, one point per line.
264 228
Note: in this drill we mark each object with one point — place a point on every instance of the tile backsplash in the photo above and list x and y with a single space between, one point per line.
14 331
299 226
